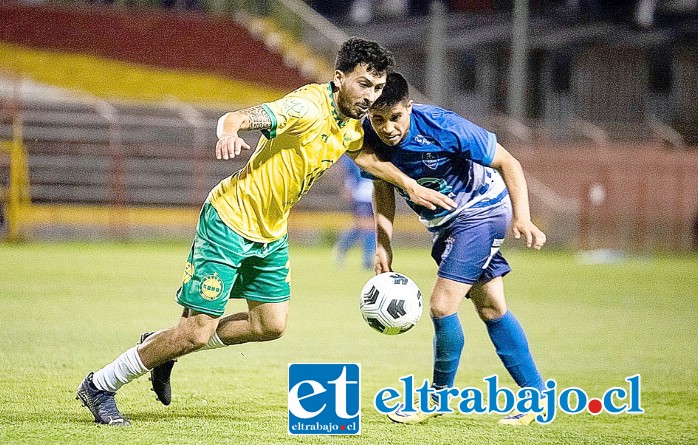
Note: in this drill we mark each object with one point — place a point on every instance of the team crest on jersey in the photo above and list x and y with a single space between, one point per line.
211 287
188 272
295 108
430 160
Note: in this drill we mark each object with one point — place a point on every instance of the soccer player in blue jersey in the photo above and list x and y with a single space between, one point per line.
443 151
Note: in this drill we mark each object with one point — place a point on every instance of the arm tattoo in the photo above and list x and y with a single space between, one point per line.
259 119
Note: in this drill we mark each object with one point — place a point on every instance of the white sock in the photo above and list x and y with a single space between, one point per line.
128 366
214 342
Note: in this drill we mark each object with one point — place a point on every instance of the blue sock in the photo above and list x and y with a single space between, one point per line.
448 345
347 239
511 344
369 247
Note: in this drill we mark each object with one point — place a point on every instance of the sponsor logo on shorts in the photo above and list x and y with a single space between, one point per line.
211 287
188 272
448 248
324 398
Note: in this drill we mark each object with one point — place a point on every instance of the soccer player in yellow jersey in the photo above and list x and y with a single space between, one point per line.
240 249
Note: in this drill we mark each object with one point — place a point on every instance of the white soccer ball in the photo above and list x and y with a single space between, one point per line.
391 303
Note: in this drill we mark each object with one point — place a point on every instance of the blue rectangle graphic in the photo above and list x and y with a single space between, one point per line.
324 398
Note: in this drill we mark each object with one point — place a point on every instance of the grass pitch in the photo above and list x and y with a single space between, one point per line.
68 309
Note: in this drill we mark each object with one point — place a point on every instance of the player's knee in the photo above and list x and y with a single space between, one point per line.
274 332
439 310
488 313
270 330
195 340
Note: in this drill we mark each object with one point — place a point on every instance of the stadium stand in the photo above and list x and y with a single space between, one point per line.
176 40
600 69
100 160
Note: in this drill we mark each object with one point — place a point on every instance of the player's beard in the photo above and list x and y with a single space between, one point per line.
351 109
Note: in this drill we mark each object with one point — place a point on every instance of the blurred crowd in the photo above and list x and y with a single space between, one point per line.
639 13
636 13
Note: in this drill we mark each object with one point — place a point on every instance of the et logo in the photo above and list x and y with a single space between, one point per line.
324 398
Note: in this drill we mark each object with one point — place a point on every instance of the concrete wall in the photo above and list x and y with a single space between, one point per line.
628 196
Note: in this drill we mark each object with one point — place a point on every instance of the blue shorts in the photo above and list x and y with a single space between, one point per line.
467 249
362 208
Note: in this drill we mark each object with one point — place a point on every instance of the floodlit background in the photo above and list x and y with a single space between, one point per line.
107 131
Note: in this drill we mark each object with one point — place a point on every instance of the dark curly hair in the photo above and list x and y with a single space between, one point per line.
395 91
356 51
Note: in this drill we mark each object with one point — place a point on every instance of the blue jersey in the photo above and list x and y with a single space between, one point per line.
448 153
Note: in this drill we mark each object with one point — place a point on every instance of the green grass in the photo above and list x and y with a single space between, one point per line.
71 308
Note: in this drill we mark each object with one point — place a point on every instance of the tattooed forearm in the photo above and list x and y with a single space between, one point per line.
258 118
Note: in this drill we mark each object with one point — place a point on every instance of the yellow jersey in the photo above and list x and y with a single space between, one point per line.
305 139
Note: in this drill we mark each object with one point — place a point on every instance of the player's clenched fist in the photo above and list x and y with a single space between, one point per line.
228 147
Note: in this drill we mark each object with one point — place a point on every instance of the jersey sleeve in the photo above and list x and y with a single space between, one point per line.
466 138
292 113
354 138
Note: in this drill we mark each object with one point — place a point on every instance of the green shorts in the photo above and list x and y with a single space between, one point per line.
222 265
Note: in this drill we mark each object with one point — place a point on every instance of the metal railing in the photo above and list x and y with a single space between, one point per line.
120 153
116 156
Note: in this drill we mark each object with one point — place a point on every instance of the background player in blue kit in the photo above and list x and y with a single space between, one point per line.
360 192
446 152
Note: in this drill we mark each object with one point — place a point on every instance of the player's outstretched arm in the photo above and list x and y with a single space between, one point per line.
383 214
229 143
420 195
513 175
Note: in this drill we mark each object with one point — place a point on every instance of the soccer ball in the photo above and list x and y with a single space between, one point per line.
391 303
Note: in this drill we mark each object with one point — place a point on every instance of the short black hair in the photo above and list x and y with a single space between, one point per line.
395 91
356 51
